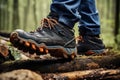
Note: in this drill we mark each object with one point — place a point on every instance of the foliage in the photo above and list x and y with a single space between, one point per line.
15 53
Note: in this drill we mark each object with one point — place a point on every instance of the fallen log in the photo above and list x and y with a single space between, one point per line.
95 74
5 34
20 75
64 65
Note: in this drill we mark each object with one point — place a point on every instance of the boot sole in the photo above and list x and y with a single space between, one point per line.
95 52
28 45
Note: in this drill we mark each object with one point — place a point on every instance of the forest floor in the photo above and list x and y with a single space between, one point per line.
17 65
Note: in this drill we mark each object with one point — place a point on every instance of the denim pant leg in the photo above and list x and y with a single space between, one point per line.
67 11
89 23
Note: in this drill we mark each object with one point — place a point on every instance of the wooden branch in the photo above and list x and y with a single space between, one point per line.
64 65
5 34
20 75
96 74
4 50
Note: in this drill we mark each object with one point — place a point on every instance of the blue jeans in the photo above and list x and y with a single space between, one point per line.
83 11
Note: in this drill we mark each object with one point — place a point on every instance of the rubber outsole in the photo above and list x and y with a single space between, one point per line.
41 49
95 52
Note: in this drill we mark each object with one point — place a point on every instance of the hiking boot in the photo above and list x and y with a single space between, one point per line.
90 45
52 37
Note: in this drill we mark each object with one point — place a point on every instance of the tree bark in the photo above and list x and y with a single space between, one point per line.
26 12
117 24
95 74
64 65
34 13
20 75
5 34
15 20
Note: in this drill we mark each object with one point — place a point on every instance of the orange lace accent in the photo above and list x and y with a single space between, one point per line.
46 22
79 38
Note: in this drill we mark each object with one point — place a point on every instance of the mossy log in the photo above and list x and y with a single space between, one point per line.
64 65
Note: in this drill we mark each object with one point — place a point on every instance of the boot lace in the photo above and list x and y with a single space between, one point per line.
79 38
48 23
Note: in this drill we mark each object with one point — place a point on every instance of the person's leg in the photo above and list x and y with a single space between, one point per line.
89 23
66 11
89 29
55 36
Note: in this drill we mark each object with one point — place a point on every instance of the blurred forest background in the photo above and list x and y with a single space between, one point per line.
26 14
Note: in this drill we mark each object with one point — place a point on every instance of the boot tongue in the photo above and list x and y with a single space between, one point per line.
53 16
46 23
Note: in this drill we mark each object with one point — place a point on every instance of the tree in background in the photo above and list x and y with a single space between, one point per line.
4 14
117 23
15 19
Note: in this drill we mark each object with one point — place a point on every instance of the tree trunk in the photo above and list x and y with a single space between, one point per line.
15 14
64 65
117 25
26 12
0 15
34 13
